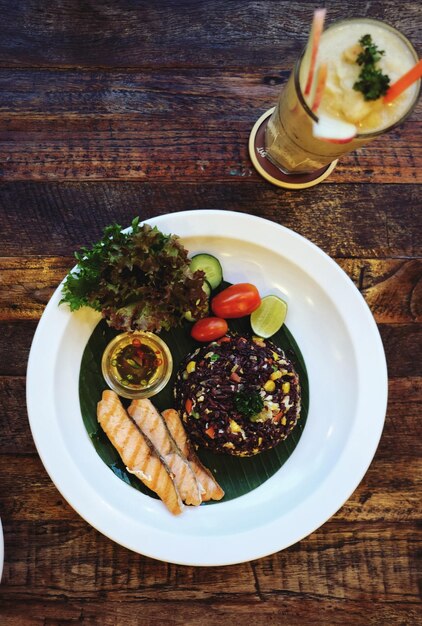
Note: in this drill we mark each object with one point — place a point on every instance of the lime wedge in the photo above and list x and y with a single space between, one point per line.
269 317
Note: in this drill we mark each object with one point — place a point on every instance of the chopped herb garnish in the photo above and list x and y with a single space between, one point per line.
370 53
248 403
214 358
372 83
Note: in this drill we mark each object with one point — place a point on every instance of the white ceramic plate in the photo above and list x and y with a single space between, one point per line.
348 394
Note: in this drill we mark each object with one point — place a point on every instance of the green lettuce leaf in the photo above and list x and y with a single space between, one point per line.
138 280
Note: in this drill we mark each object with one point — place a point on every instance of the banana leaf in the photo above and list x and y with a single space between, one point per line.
237 476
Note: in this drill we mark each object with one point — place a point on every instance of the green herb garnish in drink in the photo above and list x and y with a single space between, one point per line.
372 83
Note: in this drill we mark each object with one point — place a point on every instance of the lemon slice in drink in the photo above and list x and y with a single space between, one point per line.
269 317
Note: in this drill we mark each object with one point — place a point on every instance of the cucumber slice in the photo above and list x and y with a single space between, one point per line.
210 265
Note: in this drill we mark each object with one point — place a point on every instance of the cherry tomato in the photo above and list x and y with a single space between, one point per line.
209 328
236 301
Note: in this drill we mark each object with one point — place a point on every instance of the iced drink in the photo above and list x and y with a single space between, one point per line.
290 142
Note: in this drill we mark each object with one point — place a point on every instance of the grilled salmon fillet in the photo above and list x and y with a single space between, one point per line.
153 425
137 451
213 491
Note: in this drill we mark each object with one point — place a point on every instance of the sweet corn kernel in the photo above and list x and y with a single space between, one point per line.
234 427
269 386
190 367
285 387
276 375
259 341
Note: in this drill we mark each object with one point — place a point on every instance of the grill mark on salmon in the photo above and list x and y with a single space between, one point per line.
137 451
153 425
213 491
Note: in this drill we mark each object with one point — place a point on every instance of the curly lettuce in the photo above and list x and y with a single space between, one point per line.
138 280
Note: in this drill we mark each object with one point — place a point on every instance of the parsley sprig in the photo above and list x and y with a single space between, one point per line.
248 403
372 83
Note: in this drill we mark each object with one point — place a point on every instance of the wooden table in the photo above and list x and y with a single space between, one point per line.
110 110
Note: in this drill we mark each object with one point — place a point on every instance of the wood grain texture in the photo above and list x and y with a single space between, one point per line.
86 149
110 110
26 285
101 111
391 288
138 127
371 221
216 33
282 608
267 587
129 576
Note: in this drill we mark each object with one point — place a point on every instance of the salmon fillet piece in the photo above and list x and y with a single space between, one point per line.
213 491
137 451
153 425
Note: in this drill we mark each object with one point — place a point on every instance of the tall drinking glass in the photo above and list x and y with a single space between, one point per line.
290 142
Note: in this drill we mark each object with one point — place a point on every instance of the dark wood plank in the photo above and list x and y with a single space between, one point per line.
15 343
85 147
28 493
176 96
15 434
282 606
179 97
407 341
74 560
28 283
143 126
55 219
92 558
390 287
170 34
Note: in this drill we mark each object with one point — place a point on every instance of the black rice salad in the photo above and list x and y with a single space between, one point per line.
238 396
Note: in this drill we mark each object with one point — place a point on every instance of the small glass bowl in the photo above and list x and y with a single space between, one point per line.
151 384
